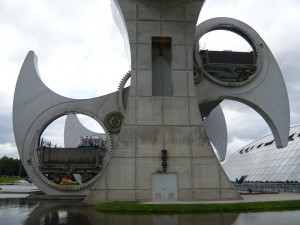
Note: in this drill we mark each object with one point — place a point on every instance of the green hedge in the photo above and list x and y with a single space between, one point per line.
136 207
9 179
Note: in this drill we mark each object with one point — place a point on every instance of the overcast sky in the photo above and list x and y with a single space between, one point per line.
81 54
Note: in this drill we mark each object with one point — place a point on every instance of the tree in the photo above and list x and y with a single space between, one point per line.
11 167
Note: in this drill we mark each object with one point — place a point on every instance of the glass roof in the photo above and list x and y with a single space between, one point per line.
262 161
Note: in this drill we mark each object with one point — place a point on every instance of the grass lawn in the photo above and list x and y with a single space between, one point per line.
136 207
9 179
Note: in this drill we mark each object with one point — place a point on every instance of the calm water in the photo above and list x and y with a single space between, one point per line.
17 210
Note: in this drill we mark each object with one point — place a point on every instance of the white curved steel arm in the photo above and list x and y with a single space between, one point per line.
216 130
36 106
266 94
74 129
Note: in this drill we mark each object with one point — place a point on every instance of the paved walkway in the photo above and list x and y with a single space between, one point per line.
271 197
283 196
29 191
18 189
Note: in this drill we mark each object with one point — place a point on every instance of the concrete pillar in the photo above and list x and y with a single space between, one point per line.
170 121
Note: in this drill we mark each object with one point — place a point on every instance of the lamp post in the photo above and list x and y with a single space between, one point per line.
20 168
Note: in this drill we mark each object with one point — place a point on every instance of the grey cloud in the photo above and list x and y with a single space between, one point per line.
245 124
55 132
6 129
49 26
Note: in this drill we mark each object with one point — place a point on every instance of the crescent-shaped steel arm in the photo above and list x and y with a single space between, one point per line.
74 130
265 92
216 130
36 106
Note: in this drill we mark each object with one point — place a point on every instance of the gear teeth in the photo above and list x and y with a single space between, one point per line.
72 188
113 122
200 31
121 86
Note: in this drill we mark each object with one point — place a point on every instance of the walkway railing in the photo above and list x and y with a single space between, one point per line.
268 187
46 143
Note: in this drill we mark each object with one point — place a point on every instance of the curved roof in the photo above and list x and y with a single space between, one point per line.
262 161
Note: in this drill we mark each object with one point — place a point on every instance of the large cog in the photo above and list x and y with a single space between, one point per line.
113 122
35 161
120 102
232 26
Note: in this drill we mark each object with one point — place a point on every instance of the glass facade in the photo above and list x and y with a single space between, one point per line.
262 161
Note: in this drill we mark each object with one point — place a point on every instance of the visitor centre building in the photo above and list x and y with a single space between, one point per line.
261 161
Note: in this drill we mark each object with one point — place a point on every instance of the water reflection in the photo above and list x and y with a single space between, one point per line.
57 213
51 213
21 211
269 218
15 211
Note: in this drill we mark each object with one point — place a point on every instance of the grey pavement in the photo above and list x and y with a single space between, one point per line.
283 196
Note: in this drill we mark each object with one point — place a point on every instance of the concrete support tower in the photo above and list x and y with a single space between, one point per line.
162 113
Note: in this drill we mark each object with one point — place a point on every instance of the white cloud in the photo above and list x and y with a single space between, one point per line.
237 144
81 53
244 125
224 40
9 150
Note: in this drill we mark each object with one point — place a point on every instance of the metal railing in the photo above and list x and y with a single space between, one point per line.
46 143
268 187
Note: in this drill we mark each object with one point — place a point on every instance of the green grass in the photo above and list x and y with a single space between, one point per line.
136 207
9 179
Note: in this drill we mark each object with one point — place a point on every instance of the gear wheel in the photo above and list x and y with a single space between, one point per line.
120 102
237 27
35 162
113 122
198 74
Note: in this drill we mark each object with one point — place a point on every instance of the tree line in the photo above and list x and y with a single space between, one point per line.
11 167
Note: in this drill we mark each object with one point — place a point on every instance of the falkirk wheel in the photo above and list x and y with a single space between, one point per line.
158 131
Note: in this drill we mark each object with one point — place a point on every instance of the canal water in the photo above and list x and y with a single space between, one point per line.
15 209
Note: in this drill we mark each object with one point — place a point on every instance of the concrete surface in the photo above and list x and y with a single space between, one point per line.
283 196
